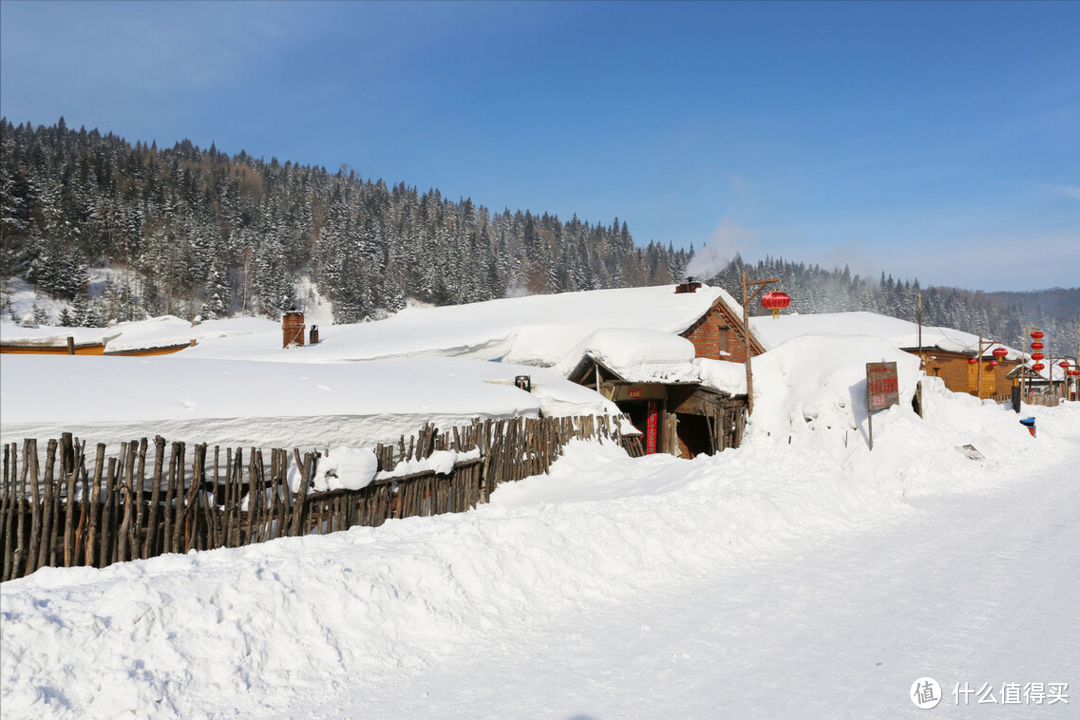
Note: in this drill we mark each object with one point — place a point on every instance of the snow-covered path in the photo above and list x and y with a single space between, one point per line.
978 589
797 576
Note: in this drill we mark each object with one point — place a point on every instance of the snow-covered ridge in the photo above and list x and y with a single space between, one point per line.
900 333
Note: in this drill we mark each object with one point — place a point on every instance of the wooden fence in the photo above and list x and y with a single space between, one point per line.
148 500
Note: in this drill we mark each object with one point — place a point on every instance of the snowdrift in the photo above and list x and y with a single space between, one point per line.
235 402
265 630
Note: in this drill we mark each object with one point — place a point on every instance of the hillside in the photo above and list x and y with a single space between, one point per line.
188 231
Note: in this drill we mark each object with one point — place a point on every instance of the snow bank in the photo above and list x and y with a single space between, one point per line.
534 330
819 382
636 355
111 400
256 631
259 631
899 333
47 336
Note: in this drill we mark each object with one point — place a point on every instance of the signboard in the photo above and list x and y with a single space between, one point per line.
633 394
882 389
651 427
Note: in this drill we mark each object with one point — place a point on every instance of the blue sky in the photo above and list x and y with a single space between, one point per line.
930 140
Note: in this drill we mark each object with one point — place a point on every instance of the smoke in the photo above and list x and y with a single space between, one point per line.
728 239
516 290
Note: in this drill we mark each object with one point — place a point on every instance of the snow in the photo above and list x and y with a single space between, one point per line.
819 382
901 333
236 402
534 330
48 336
441 462
636 355
163 331
799 575
344 468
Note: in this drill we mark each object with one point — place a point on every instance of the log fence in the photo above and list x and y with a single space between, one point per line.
83 511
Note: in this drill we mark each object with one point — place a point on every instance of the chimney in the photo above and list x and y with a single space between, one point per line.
292 329
691 285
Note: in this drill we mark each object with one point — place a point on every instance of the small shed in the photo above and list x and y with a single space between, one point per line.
665 390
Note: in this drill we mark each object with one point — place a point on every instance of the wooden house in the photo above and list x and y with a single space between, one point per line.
677 417
677 411
960 374
948 353
678 408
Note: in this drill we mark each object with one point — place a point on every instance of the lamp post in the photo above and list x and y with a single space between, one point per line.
746 332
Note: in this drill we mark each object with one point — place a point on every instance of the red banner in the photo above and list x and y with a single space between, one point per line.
650 428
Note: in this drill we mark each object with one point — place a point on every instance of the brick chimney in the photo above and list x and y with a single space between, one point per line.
691 285
292 329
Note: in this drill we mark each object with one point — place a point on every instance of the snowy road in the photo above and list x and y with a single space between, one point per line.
980 589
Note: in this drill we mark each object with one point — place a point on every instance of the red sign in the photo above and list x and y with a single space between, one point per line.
882 388
650 428
633 394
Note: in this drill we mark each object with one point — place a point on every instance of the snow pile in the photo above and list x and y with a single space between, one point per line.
534 330
163 331
343 468
721 375
650 356
441 462
267 627
899 333
169 330
48 336
103 399
636 355
819 382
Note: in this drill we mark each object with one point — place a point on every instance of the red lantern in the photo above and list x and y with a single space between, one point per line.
1037 356
1064 364
1000 352
1038 334
1074 372
993 363
1037 345
775 301
972 361
1038 367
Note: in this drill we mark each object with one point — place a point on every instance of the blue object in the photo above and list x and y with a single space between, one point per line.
1029 423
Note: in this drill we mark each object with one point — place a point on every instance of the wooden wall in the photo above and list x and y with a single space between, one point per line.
962 376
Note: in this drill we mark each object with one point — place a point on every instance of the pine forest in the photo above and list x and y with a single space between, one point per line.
194 232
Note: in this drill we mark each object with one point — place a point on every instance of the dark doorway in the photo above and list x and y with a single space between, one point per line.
694 435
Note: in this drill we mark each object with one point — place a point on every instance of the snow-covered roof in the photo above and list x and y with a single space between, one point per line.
163 331
900 333
534 330
54 337
285 404
649 356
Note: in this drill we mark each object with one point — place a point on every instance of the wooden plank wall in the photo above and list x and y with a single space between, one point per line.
160 497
